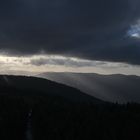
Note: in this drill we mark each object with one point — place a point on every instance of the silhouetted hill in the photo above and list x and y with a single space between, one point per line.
113 88
41 86
39 109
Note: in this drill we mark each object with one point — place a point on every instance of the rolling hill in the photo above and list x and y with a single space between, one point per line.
39 109
113 88
35 85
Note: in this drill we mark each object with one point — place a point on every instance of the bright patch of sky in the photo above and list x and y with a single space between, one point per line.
36 64
134 30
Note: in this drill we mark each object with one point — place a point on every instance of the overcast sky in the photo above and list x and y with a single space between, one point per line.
87 34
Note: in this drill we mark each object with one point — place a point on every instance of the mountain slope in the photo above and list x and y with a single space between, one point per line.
13 84
38 109
114 88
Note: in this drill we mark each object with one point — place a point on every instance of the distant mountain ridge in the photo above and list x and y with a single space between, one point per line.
114 88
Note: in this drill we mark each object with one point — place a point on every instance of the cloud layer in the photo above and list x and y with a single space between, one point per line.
33 65
91 29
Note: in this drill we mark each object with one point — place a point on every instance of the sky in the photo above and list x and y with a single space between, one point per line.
100 36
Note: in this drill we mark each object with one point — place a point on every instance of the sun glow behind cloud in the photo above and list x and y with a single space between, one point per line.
32 65
134 30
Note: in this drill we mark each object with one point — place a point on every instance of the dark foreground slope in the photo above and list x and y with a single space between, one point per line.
113 88
42 86
30 111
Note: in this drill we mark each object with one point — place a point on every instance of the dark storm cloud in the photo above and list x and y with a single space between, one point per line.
91 29
71 62
68 62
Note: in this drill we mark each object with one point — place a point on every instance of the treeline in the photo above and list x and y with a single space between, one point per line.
55 118
13 117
